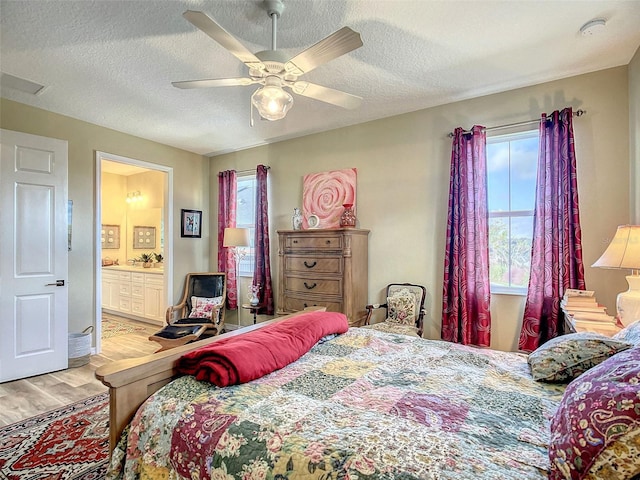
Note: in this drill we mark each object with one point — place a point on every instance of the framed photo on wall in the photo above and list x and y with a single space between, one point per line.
191 223
144 237
110 237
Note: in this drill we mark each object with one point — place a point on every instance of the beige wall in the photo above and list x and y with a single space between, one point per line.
634 135
146 212
114 212
403 182
190 182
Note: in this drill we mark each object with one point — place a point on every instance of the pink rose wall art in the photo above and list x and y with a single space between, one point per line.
325 193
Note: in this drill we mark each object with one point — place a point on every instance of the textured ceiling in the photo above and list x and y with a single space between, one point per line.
112 62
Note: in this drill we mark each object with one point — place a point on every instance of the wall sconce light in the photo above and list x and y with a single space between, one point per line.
133 197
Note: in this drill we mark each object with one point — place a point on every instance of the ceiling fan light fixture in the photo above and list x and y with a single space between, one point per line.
271 101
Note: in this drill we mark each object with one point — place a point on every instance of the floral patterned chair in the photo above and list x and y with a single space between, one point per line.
200 313
404 310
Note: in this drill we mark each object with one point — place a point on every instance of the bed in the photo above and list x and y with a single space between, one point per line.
362 404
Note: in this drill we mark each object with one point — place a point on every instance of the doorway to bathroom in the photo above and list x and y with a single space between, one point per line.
134 240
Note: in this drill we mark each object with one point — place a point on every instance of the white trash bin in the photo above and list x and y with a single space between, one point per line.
80 347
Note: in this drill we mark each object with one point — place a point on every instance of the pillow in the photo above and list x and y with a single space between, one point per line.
630 333
564 358
595 433
202 307
401 308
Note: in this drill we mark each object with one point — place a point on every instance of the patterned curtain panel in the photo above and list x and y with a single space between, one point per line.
465 305
227 203
262 271
556 254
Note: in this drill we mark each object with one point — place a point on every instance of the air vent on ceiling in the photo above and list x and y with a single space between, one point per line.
20 84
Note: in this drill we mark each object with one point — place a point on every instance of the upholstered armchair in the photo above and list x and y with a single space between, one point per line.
404 310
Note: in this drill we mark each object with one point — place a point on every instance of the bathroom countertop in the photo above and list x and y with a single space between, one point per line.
131 268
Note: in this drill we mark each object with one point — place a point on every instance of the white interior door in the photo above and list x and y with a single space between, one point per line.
34 259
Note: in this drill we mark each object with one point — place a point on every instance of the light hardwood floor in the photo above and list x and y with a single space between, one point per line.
31 396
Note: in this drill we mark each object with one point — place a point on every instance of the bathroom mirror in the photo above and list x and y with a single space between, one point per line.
144 232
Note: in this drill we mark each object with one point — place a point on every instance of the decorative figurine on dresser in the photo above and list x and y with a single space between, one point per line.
296 219
324 267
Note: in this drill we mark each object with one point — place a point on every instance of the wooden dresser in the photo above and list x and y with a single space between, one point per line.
324 268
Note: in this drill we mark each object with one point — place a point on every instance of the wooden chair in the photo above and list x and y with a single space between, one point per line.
404 310
200 312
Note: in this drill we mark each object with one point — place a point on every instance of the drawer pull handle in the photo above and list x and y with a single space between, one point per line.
310 266
295 241
328 242
310 287
306 306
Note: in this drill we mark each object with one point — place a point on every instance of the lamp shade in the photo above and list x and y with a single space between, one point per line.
624 249
236 237
271 101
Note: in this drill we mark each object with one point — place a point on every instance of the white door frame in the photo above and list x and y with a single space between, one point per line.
168 230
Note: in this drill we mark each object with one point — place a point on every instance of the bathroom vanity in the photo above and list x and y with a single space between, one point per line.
134 292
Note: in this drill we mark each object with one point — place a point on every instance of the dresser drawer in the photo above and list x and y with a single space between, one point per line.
125 289
317 242
153 279
295 304
137 290
313 264
137 307
124 276
315 286
125 304
137 277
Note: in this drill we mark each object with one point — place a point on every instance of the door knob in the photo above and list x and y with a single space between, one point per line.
59 283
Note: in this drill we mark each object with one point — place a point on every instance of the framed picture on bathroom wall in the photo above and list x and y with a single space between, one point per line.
191 223
144 237
110 236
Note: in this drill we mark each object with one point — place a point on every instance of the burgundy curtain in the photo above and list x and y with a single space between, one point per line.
227 203
465 305
262 270
556 253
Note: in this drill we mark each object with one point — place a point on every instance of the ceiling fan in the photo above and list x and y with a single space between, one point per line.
270 69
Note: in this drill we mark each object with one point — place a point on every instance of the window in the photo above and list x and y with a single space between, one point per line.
512 162
245 218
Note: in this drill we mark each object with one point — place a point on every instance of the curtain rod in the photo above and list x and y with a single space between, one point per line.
577 113
242 172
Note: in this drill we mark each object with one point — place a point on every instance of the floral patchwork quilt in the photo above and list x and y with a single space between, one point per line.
365 404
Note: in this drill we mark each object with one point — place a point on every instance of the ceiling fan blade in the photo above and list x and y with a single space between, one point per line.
218 82
327 95
338 43
202 21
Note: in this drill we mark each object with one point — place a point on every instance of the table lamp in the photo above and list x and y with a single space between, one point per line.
234 238
624 253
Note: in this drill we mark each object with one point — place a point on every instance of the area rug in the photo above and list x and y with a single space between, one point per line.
112 328
71 442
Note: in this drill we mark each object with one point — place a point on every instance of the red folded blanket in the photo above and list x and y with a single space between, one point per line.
243 358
